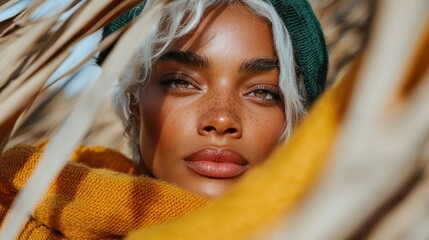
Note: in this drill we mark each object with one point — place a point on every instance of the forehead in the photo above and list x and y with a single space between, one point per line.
232 30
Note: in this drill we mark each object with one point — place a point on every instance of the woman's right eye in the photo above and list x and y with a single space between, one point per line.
177 83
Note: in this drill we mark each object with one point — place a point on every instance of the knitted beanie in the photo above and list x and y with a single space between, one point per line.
310 50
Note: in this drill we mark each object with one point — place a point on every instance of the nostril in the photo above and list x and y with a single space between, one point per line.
209 128
227 131
231 130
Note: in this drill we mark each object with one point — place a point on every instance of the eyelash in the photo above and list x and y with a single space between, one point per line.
174 78
269 90
168 80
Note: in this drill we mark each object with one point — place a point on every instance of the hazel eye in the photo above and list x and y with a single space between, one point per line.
177 83
263 94
267 94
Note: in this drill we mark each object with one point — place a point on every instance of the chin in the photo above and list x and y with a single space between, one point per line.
211 188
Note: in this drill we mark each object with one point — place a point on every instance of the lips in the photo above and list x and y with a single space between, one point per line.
217 162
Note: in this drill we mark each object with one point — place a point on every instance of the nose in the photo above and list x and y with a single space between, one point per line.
220 122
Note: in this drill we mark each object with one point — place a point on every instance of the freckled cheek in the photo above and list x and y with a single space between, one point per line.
264 129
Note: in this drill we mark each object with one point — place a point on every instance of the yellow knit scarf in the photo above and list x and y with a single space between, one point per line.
97 196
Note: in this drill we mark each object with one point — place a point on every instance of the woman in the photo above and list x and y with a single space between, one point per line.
217 86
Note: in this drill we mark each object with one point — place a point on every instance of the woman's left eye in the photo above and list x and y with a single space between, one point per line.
263 94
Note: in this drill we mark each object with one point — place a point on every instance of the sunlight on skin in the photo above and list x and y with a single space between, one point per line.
215 107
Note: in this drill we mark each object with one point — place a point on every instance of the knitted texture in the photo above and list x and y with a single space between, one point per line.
310 50
85 202
311 53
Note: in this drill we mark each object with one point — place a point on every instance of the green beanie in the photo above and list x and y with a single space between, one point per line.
310 50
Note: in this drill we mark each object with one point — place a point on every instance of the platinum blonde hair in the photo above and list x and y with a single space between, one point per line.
172 26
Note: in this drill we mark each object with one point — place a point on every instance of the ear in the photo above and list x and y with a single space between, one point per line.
134 108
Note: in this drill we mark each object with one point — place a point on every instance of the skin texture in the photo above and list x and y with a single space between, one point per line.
215 103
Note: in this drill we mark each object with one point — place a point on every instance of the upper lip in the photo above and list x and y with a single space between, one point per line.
217 154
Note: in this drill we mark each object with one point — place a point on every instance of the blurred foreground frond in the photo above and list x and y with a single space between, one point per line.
346 24
36 49
376 175
375 185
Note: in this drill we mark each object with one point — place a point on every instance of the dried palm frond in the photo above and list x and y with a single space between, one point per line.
40 113
383 125
346 26
34 56
378 153
50 110
381 140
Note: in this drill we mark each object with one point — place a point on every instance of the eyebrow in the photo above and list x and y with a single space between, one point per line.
258 65
187 57
254 65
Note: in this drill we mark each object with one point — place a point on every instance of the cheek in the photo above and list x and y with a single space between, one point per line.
165 125
152 118
265 129
168 118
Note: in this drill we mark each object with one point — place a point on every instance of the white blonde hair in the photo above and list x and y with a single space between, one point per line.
172 26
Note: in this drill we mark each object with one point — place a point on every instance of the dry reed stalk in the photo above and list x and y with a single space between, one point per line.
47 112
385 131
346 34
19 88
346 28
409 218
20 92
346 24
7 3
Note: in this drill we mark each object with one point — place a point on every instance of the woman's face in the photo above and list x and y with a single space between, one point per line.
212 108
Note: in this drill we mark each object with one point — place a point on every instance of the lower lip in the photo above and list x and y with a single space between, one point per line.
216 169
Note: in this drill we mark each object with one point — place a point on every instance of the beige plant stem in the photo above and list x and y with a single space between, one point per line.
30 81
17 47
6 4
380 140
103 45
410 218
73 32
23 18
24 95
58 149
